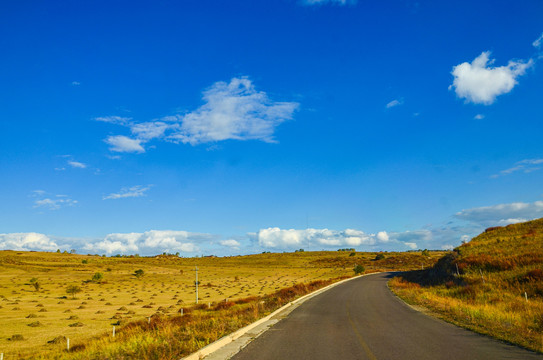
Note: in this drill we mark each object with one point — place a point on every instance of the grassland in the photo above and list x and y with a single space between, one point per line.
35 320
492 284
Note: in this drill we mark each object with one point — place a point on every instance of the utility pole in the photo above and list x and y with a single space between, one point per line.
196 282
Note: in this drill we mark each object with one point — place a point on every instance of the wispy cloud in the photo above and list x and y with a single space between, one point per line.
77 164
480 83
76 83
479 117
231 111
127 192
526 166
323 2
54 202
537 42
502 214
394 103
119 120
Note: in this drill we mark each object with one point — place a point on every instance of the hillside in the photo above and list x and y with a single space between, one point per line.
37 315
493 284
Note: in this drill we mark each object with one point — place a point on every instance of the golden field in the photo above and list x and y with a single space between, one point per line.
492 284
32 317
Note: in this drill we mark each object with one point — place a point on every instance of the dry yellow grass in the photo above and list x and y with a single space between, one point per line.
499 287
120 297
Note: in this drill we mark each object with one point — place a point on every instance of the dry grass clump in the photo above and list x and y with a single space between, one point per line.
492 284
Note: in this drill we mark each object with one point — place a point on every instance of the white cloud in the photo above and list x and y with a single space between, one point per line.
120 143
232 111
526 166
322 2
76 83
26 242
230 243
118 120
480 83
447 247
394 103
150 130
411 245
126 192
537 42
154 241
51 202
479 117
292 238
502 214
77 164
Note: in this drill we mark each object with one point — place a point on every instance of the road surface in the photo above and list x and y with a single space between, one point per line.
362 319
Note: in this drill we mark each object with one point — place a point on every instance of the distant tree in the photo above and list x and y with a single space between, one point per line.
34 282
85 261
58 251
352 254
73 251
359 269
139 273
425 252
73 289
97 277
380 256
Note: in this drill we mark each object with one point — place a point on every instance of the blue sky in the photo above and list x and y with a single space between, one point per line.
213 127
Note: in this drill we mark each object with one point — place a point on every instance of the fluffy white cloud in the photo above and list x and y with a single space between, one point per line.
230 243
236 111
479 117
292 238
481 83
120 143
154 241
411 245
27 241
134 191
526 166
77 164
447 247
232 111
394 103
502 214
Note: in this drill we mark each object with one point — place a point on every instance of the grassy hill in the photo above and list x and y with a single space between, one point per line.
492 284
37 315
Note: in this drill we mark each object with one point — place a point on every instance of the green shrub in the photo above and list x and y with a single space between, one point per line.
359 269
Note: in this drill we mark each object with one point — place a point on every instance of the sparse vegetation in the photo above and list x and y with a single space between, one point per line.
492 284
72 290
359 269
139 273
234 286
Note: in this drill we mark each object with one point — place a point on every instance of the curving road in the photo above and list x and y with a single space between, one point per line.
362 319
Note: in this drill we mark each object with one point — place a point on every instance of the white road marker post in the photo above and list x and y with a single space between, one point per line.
526 296
482 277
457 273
149 320
114 331
1 356
181 311
68 344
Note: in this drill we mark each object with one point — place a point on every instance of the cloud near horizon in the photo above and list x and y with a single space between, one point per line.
231 111
480 83
502 214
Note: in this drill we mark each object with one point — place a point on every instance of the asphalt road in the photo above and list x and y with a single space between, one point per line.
362 319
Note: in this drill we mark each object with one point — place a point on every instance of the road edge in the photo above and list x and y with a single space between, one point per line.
228 339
